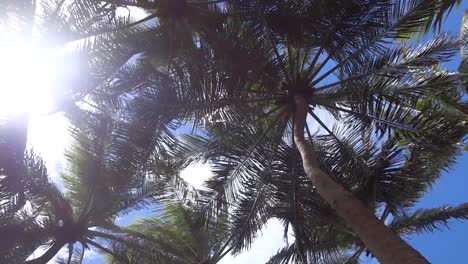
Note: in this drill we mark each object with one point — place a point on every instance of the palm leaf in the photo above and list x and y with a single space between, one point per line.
429 220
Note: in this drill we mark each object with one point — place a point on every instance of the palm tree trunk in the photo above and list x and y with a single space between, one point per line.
387 246
48 255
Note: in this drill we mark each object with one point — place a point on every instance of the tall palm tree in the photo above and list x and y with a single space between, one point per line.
270 182
282 191
377 87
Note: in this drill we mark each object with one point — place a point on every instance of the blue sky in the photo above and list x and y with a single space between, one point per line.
445 246
449 245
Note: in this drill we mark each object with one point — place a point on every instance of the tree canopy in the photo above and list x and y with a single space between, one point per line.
251 80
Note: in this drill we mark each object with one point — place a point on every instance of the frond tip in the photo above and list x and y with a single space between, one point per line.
429 220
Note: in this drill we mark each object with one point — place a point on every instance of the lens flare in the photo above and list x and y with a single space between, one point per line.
27 75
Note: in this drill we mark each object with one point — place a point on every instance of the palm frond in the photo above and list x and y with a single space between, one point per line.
76 255
429 220
319 249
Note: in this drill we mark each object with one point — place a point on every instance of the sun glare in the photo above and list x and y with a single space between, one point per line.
26 77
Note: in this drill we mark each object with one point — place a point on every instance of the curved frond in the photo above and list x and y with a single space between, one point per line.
429 220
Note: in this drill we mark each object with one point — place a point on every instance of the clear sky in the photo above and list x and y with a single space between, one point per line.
447 246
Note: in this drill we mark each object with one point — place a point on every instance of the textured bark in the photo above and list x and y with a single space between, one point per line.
48 255
386 246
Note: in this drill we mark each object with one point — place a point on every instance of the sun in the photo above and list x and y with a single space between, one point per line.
27 75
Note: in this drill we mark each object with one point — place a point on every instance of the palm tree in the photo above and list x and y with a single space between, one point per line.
388 166
269 182
179 235
184 231
379 85
95 193
17 223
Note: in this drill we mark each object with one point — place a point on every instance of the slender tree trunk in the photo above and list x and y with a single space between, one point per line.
48 255
387 246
